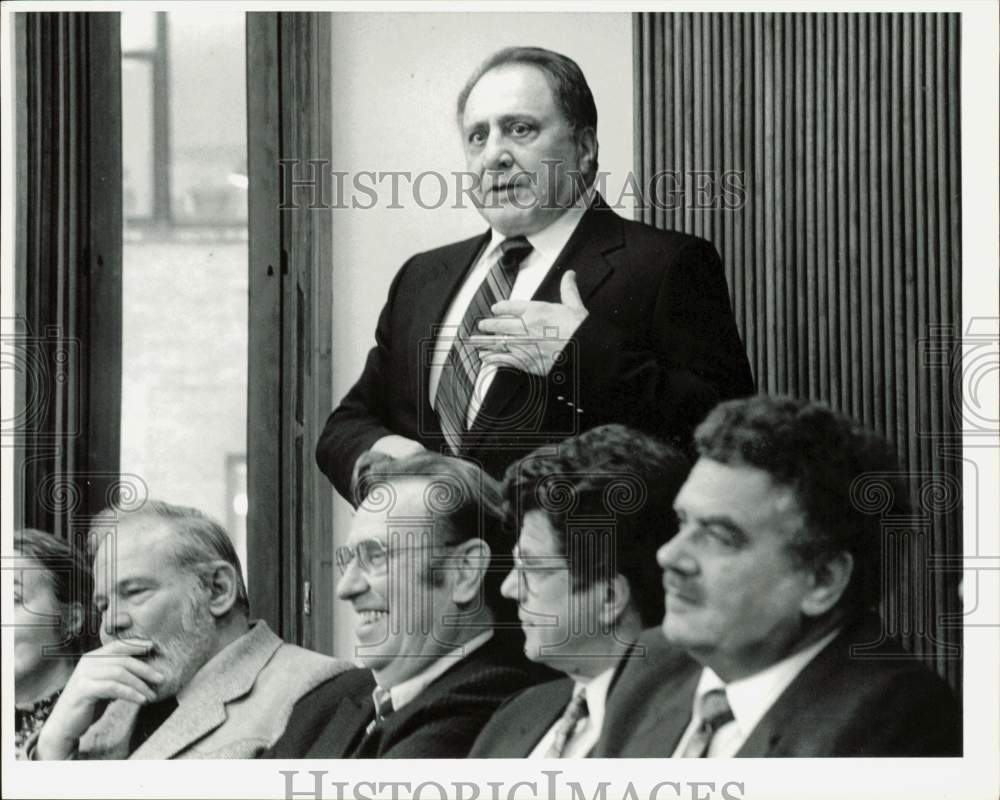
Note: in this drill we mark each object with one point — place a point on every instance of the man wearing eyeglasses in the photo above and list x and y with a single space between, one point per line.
591 517
417 570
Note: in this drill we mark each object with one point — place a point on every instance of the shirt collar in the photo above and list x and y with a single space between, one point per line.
551 240
403 693
751 697
597 695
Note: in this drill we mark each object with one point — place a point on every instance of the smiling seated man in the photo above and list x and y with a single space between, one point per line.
771 586
183 672
591 516
417 570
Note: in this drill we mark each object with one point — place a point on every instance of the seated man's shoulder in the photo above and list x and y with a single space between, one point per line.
529 696
653 655
300 666
875 699
529 699
865 660
494 671
346 681
312 711
504 734
448 715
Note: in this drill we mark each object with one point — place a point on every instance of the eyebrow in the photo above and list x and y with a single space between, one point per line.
126 583
506 119
727 523
540 558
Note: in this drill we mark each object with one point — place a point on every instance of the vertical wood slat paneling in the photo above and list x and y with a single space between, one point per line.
69 301
844 258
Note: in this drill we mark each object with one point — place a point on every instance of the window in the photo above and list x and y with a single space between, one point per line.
184 273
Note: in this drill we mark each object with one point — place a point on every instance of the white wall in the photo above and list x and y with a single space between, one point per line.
395 80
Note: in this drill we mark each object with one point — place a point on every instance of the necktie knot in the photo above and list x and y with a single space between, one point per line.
382 699
715 710
513 251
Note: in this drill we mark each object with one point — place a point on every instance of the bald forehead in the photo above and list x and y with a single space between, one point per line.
404 496
145 537
392 505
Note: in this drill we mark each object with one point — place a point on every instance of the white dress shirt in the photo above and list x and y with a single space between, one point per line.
588 729
547 244
749 698
403 693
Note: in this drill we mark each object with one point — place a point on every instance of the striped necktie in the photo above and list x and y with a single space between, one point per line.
715 712
575 712
458 378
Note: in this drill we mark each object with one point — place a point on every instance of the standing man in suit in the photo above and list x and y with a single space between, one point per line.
182 672
771 583
417 568
562 317
591 518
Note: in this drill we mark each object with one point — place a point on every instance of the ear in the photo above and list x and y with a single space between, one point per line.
222 589
829 582
72 623
468 570
616 600
586 149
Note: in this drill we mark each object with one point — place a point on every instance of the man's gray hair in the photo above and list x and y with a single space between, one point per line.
197 539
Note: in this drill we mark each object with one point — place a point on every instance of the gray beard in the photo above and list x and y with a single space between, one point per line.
180 658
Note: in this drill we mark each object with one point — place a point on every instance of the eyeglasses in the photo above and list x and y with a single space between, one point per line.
534 573
372 555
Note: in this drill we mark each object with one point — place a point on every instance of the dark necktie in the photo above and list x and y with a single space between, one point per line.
715 712
575 712
369 744
382 700
458 378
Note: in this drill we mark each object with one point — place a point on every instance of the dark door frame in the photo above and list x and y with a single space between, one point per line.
289 541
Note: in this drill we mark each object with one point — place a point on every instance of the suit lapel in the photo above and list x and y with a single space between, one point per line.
590 251
800 693
230 675
598 234
658 734
548 707
344 730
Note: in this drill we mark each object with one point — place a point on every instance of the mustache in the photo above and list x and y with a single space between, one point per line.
490 181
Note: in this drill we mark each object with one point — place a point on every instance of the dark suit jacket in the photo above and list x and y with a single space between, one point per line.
441 722
658 350
521 722
839 705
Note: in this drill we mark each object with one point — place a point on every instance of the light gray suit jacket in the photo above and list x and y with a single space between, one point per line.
236 706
